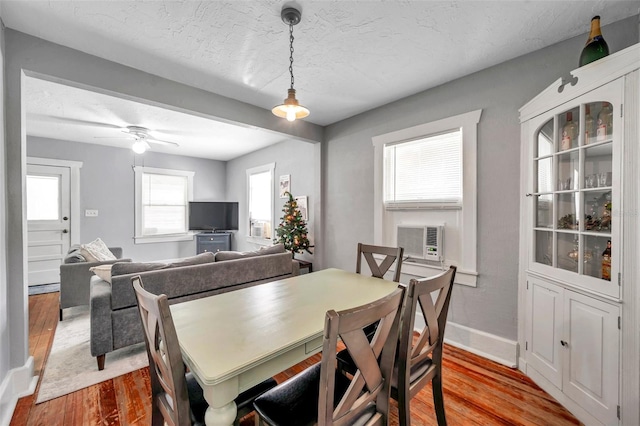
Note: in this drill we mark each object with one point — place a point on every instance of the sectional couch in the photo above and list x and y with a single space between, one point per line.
115 321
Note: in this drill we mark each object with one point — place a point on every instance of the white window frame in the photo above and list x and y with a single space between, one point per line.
267 240
468 122
146 239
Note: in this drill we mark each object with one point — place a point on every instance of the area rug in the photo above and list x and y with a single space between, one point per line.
71 367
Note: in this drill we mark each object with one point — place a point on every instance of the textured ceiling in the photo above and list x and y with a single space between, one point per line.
350 56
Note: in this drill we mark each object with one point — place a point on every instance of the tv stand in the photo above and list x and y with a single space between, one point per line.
213 242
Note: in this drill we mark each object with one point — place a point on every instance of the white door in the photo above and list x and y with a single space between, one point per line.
48 221
545 332
592 355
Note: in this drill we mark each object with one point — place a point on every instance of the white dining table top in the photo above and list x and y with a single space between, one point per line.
222 336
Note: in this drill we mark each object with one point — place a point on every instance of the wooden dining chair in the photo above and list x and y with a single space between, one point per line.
379 268
320 395
420 357
177 399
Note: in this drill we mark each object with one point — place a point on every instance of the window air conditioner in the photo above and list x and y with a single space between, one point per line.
257 230
422 242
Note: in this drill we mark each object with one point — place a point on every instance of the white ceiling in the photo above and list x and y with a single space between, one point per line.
350 56
67 113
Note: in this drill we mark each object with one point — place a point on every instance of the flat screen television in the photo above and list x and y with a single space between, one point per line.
213 216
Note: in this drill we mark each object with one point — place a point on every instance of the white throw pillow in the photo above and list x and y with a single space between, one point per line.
98 250
103 271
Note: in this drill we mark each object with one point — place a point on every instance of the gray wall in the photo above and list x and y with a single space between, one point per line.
107 184
499 91
295 158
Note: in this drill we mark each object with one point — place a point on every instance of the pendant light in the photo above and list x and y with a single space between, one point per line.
291 108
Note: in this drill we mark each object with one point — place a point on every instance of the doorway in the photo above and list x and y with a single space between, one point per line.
49 217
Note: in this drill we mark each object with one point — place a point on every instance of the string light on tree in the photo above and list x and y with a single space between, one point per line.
292 231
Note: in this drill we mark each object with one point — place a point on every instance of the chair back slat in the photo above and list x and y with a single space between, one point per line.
379 269
166 369
372 380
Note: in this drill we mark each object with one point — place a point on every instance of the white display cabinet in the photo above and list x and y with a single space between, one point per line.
578 295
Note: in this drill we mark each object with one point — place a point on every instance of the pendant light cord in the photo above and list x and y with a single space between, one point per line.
291 52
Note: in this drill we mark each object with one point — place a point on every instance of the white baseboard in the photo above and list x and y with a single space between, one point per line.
18 382
490 346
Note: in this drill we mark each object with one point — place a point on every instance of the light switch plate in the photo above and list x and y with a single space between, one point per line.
91 213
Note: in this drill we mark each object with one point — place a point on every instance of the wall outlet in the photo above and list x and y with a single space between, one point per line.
91 213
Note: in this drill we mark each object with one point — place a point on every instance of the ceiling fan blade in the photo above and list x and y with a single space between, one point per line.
58 119
112 137
161 142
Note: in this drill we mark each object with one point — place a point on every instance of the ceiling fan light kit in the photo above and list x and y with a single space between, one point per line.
142 139
140 146
291 108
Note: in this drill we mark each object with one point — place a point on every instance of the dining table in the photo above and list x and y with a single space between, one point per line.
235 340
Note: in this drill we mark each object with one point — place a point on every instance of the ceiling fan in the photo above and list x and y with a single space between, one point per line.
142 139
141 135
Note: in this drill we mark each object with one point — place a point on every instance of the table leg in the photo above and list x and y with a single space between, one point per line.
222 409
223 416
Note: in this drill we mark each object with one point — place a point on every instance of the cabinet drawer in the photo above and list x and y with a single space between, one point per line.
213 243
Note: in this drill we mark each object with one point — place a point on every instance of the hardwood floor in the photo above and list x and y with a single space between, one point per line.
476 390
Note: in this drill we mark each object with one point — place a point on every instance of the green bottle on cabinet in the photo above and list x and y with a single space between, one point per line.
596 47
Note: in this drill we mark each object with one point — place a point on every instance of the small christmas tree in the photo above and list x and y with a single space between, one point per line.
292 231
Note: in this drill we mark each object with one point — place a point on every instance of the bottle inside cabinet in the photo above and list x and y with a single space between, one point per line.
605 122
569 135
589 125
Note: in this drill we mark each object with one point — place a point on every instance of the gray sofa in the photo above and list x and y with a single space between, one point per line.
115 321
75 277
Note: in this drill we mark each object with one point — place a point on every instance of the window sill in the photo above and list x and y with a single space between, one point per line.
466 278
423 206
149 239
260 241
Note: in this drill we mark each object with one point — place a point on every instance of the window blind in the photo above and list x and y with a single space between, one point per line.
424 171
164 204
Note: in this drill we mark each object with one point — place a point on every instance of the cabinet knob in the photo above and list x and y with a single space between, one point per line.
563 343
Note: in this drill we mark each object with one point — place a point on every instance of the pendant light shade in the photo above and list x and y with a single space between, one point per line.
291 108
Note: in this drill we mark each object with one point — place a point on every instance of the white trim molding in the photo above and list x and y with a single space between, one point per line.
419 270
18 382
490 346
465 234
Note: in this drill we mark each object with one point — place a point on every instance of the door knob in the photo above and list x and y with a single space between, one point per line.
65 218
563 343
65 231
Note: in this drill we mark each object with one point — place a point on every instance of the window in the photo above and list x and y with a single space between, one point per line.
260 202
426 176
43 197
424 171
162 204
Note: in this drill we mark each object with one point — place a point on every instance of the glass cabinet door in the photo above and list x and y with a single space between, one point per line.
573 158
